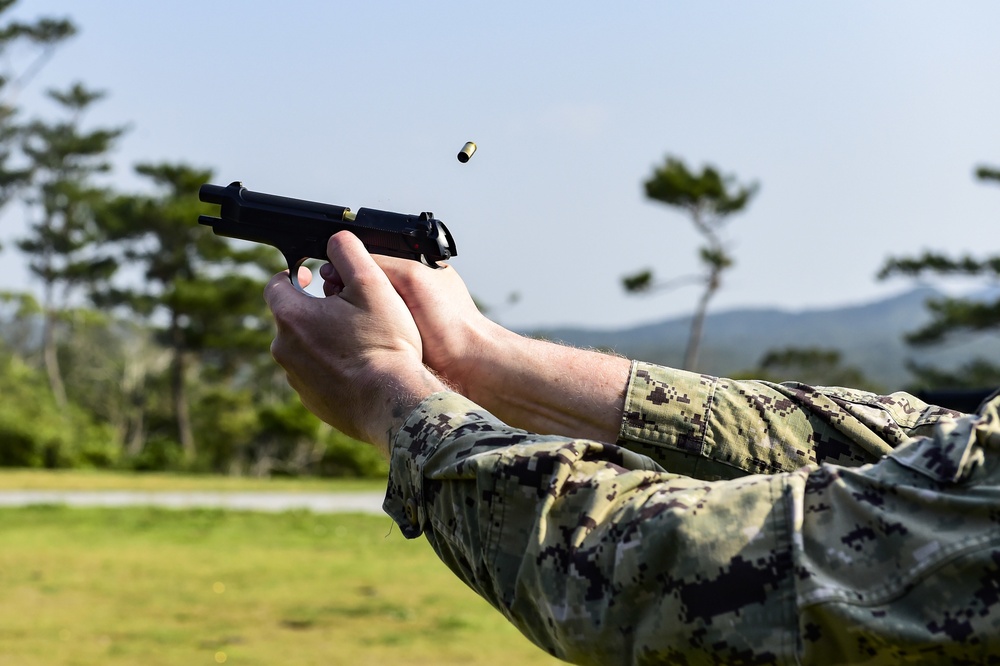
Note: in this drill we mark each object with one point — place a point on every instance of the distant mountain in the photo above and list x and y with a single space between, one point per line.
869 337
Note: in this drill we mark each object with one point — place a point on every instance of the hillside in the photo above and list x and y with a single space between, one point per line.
869 337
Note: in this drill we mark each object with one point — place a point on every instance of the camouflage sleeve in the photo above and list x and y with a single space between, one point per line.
714 428
600 557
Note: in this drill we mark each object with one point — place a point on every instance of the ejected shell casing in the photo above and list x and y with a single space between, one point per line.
467 150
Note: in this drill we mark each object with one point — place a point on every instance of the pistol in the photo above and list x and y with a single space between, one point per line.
300 229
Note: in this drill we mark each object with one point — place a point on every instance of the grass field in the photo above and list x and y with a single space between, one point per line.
83 587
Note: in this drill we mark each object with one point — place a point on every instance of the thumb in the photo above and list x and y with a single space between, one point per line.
279 290
280 281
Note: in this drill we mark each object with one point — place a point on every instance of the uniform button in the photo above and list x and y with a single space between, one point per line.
411 511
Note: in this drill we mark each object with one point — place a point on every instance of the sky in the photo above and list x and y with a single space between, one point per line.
862 123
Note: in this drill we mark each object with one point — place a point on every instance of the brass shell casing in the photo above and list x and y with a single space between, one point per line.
467 150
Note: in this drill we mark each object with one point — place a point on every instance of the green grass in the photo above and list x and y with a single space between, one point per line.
149 586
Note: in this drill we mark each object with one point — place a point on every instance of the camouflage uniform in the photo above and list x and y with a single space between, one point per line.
733 523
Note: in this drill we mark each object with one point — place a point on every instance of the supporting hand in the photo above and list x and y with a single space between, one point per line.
530 384
353 358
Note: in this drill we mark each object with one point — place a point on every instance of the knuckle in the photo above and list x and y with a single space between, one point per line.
278 350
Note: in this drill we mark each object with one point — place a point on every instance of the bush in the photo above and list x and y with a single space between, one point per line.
237 435
345 456
159 454
34 432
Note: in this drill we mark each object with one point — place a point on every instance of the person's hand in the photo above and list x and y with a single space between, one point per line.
457 338
530 384
354 358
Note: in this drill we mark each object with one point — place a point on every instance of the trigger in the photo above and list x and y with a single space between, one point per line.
293 274
294 279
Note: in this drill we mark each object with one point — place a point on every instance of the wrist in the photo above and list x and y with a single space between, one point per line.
479 369
395 388
545 387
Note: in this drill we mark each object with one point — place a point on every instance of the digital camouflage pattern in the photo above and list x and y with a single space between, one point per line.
829 526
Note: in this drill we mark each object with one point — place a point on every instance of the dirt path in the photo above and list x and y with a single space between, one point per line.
361 502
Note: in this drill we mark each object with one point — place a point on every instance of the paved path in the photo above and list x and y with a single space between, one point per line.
360 502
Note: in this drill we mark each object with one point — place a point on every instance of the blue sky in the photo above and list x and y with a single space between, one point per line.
862 123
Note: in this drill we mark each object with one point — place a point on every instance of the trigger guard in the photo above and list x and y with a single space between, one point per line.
294 279
427 262
293 276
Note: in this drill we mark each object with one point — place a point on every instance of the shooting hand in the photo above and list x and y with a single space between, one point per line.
354 358
530 384
454 333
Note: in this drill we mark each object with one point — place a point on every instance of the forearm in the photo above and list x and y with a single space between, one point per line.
394 397
598 556
572 540
538 386
545 387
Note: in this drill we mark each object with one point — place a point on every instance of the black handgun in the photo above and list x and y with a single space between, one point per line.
300 229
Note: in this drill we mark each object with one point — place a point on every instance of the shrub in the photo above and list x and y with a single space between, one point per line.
35 432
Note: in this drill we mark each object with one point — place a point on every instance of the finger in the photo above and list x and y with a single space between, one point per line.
352 262
279 290
394 264
305 276
332 284
404 274
332 289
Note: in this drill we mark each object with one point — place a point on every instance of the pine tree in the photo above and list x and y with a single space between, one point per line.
63 159
708 199
202 293
952 317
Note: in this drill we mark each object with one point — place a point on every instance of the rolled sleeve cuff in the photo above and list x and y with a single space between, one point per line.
429 425
667 407
715 428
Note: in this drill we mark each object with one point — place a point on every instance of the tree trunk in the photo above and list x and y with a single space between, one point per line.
177 373
698 322
50 357
134 418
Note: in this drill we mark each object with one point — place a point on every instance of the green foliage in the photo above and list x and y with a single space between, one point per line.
158 454
641 281
954 315
35 432
207 290
976 374
939 264
42 36
988 173
239 435
177 357
17 313
225 422
62 158
201 295
344 456
46 32
815 366
709 193
716 258
951 317
63 237
708 199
